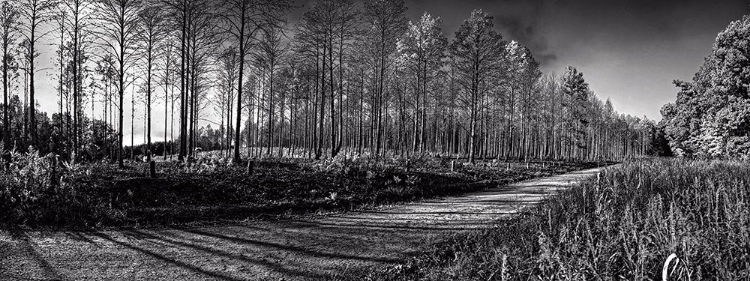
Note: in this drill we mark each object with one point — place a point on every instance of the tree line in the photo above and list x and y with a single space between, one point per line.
711 116
343 78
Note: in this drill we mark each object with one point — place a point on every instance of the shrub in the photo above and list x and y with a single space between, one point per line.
35 191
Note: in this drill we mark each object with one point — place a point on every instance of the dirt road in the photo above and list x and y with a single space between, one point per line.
288 250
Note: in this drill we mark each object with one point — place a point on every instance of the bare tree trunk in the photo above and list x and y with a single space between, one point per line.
183 84
132 123
319 152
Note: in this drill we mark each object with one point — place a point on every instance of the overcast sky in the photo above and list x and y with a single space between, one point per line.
629 50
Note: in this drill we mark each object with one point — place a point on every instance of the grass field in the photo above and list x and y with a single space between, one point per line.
622 226
212 190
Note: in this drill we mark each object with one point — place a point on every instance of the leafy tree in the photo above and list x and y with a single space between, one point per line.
576 94
711 116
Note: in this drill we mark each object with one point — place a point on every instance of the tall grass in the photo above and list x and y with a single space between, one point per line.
623 226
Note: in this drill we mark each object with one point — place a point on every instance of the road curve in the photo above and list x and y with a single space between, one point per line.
305 249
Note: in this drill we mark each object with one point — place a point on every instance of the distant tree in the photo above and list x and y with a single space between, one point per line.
386 23
551 116
167 78
576 95
9 32
522 76
150 35
527 77
244 19
478 56
314 39
105 69
35 14
117 29
60 26
202 44
422 48
269 54
228 72
77 16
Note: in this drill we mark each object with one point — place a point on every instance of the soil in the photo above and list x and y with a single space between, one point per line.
307 248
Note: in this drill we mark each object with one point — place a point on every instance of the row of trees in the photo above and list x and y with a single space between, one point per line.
359 79
387 85
711 116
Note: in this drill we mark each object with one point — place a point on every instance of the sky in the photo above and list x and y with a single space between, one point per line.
630 51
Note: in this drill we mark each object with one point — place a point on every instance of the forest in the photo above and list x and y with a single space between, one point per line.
345 140
241 77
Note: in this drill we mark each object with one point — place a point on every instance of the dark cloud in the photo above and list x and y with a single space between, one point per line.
516 29
516 19
521 21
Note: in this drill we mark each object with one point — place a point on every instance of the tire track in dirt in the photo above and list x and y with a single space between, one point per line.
303 249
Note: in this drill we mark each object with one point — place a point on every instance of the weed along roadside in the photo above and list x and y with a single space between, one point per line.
640 220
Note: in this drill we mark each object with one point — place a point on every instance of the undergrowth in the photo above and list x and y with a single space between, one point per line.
39 190
212 189
622 226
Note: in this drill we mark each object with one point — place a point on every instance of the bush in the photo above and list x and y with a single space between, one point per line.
36 191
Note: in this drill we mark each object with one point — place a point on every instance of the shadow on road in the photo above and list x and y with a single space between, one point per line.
300 249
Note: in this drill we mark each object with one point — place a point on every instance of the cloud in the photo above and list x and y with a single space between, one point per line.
526 34
521 21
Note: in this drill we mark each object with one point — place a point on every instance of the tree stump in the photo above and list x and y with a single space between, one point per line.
152 169
250 167
53 171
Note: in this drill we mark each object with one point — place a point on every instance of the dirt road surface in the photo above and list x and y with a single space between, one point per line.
304 249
